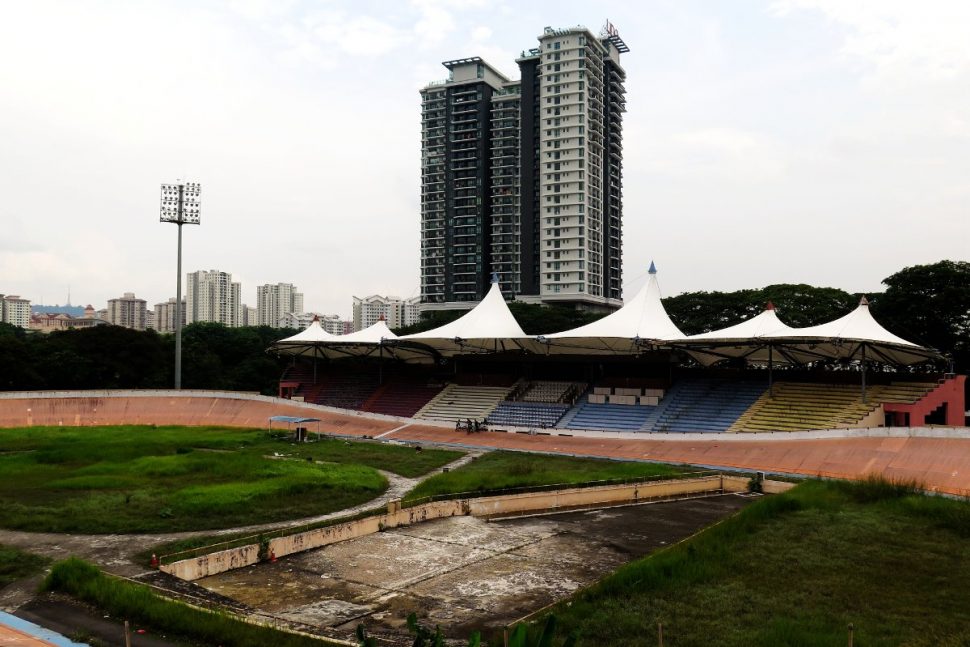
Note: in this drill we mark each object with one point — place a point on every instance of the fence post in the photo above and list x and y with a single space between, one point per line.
660 634
127 635
851 631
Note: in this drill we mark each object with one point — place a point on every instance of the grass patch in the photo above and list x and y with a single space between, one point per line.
795 569
145 479
140 604
16 564
500 470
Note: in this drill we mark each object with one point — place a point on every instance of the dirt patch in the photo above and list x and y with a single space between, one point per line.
463 573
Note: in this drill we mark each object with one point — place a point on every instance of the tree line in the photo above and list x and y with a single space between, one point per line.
925 304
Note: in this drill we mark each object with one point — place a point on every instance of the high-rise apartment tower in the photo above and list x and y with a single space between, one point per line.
274 301
212 296
128 311
524 178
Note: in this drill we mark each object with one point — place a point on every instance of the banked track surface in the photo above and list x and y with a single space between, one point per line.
938 458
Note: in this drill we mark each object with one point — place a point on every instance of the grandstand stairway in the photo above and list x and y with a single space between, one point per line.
457 402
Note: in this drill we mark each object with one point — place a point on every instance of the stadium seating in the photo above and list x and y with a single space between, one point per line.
704 405
527 414
401 398
799 406
550 391
606 417
457 402
348 390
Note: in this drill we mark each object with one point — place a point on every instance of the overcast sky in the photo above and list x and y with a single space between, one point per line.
816 141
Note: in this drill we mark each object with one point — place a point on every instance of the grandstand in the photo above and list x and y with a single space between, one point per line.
646 375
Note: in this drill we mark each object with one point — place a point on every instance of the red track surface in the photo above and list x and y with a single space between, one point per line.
10 637
941 464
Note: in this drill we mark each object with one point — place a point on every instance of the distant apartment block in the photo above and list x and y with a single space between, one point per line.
165 315
250 316
274 301
524 177
334 325
397 312
15 310
213 297
127 311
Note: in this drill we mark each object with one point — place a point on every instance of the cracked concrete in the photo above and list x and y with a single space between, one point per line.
463 573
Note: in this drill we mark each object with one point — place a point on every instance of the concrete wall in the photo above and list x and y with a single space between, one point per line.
504 505
950 392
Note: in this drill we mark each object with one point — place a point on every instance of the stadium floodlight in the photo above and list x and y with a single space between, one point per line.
182 205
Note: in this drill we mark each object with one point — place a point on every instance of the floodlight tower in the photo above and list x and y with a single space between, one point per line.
182 205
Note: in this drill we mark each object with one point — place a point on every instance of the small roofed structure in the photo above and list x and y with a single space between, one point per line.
295 420
641 322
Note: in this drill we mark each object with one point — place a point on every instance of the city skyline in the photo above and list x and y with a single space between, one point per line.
755 139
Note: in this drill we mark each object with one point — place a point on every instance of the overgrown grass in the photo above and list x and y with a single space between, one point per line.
16 564
500 470
144 479
796 569
138 603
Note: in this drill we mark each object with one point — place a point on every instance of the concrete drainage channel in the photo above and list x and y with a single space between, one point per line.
466 564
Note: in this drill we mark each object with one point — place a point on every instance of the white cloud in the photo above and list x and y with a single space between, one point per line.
905 42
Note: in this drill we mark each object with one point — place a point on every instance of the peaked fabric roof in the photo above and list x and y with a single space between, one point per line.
764 324
768 340
490 319
312 333
306 342
642 319
373 334
853 336
857 325
488 327
747 339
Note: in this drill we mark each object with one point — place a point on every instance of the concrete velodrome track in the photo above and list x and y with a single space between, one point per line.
937 457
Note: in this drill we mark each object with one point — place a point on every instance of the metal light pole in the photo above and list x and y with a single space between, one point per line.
181 204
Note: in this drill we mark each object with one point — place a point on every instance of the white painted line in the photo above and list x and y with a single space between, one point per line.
388 433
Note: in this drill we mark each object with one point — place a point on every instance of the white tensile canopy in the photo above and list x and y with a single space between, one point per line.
748 340
371 341
308 342
856 335
640 322
765 339
489 327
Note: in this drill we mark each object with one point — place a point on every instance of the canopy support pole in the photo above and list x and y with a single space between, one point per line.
771 367
314 368
864 374
380 365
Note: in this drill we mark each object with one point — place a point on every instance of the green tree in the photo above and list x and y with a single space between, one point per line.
930 305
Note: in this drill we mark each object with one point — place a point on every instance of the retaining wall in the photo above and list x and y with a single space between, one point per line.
494 506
